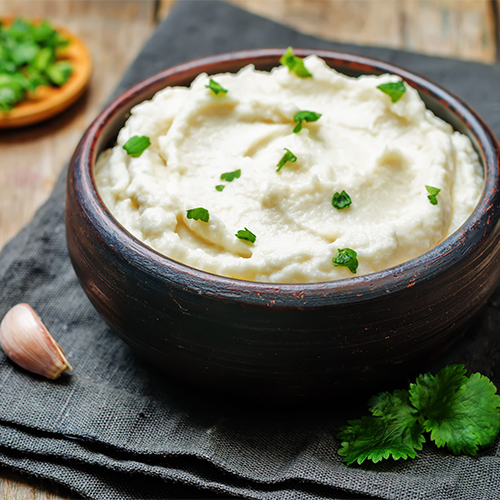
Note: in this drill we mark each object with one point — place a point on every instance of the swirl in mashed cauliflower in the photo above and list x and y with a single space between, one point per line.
381 153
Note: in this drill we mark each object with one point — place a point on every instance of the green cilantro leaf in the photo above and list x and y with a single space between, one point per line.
220 187
392 430
8 98
295 64
346 257
341 200
136 145
230 176
429 392
308 116
467 416
29 53
460 412
216 87
24 52
288 156
432 196
246 234
394 90
59 72
44 59
198 214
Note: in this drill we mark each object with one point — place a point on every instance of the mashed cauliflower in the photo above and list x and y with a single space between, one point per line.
381 153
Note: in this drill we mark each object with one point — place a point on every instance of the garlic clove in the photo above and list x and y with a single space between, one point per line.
29 344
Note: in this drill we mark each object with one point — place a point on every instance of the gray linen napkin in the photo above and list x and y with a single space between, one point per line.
112 429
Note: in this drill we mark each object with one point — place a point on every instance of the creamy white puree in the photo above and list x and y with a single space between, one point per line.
381 153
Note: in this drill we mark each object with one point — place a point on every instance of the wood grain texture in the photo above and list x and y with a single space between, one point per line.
456 28
114 31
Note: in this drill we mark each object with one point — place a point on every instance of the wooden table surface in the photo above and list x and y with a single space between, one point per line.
31 158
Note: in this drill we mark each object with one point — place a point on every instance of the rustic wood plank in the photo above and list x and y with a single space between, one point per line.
455 28
463 29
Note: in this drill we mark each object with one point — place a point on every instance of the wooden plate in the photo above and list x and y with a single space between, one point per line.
49 101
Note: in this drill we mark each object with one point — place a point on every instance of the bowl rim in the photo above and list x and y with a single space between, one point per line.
453 249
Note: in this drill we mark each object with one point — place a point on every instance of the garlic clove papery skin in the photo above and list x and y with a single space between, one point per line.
29 344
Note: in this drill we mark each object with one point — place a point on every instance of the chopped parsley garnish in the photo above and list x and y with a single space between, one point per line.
216 87
433 192
288 156
30 56
136 145
394 90
295 64
346 257
198 214
246 234
308 116
230 176
220 187
459 412
341 200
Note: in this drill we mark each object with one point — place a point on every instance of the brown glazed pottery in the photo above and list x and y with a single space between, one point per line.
281 341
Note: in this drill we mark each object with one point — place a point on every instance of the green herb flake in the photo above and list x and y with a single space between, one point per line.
198 214
341 200
220 187
59 72
346 257
136 145
216 87
246 234
432 196
394 90
288 156
295 64
30 53
230 176
308 116
459 412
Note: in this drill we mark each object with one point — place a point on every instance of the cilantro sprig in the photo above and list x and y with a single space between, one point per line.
136 145
216 87
460 412
433 192
287 157
301 116
30 56
294 64
394 90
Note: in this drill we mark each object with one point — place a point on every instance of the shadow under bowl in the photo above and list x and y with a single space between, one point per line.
281 341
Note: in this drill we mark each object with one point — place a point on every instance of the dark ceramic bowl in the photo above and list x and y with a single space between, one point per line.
281 340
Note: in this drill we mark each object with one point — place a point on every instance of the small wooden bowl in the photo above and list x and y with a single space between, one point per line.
48 101
281 341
